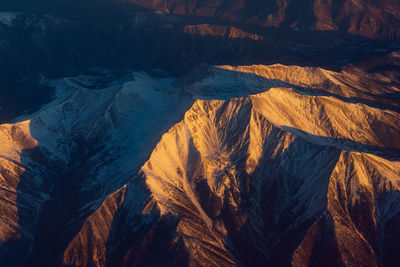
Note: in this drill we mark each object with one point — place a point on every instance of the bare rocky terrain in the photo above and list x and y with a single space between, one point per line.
200 133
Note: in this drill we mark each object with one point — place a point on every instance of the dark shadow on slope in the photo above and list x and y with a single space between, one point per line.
306 14
55 230
273 242
67 43
23 96
243 84
32 185
144 239
378 102
283 209
54 223
390 255
389 153
70 43
61 216
283 202
323 250
155 245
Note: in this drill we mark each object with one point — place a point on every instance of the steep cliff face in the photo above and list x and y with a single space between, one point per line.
226 166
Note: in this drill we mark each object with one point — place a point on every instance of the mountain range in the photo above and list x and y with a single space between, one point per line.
200 133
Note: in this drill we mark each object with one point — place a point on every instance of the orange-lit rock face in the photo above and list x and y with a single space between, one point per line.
91 241
156 133
234 166
375 19
14 139
198 170
220 31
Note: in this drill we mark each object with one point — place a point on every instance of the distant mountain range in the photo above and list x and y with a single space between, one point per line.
369 18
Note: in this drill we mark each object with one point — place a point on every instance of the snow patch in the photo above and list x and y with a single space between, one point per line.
7 18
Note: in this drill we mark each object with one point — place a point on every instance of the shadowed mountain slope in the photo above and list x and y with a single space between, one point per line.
373 19
233 166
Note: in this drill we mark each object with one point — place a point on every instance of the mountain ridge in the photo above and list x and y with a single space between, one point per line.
251 178
373 19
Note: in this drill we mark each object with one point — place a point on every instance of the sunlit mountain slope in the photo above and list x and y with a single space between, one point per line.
225 166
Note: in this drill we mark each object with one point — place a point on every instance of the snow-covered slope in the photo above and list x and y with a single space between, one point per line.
87 143
226 166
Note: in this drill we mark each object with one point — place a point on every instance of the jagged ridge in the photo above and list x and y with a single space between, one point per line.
284 176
